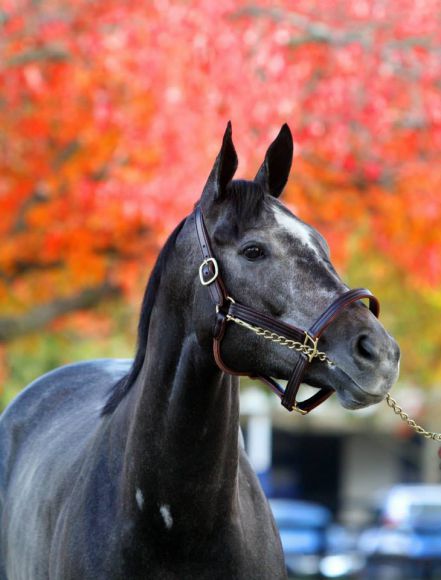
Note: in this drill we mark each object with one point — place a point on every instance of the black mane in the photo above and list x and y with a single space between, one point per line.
122 387
247 198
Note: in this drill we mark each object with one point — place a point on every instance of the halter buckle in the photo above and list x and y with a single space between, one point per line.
310 346
298 409
215 273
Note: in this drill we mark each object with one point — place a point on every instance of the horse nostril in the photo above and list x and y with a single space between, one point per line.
365 347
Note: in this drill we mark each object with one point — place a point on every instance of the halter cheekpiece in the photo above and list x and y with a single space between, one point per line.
304 342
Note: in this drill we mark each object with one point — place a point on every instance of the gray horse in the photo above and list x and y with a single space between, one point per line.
113 469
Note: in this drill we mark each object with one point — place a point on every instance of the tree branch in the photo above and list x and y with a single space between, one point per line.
37 197
312 31
46 53
22 268
37 318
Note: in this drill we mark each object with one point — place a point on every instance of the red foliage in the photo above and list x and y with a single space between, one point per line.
111 114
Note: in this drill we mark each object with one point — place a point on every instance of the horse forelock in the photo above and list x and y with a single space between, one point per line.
247 199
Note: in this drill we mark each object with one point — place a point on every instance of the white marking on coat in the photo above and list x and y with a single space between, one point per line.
294 226
139 498
166 516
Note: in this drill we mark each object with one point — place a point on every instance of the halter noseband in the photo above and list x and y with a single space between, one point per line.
305 342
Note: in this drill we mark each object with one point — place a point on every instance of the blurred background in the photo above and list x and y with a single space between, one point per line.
111 114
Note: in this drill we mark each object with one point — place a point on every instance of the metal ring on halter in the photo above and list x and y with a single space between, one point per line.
310 351
298 409
299 339
227 298
215 273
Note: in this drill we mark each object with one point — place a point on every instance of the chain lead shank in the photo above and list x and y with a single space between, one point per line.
312 352
410 422
298 339
308 347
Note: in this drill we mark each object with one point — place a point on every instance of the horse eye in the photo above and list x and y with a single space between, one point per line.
253 252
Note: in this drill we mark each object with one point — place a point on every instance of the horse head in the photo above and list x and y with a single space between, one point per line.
269 259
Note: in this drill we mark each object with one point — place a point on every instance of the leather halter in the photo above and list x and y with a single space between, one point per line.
226 309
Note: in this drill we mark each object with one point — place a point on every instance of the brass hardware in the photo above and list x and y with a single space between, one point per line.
310 348
410 422
310 351
215 274
228 298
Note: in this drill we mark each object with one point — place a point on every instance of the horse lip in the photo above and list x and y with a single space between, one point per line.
350 393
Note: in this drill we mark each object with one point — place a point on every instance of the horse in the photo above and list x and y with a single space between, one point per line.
119 469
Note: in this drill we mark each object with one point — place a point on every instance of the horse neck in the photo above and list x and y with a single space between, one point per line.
183 432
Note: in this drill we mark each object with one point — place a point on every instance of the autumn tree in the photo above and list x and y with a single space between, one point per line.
111 114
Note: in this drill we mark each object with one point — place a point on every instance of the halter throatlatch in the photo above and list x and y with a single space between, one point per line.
304 342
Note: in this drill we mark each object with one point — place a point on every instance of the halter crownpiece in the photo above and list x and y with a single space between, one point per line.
305 342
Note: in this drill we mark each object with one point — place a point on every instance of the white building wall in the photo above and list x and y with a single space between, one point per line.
369 467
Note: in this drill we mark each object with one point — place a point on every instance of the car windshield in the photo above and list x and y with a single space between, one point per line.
425 511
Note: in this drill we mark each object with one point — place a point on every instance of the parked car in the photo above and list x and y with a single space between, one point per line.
313 545
406 542
302 526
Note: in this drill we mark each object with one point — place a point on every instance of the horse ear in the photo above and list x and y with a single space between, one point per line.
274 171
224 168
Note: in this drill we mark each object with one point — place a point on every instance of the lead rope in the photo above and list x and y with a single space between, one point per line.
312 352
410 422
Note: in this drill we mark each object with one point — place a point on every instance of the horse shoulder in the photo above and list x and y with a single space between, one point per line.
44 437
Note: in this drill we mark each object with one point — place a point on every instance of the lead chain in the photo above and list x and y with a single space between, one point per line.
310 351
410 422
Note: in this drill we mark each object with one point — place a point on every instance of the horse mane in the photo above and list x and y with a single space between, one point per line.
247 198
120 389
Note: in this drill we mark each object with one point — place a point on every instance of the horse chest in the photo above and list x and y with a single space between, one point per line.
181 542
227 553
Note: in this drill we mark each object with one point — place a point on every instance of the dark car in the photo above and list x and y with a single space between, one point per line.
406 543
